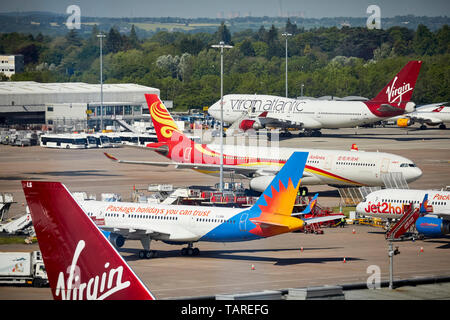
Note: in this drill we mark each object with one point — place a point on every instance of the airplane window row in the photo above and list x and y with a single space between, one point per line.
341 113
439 203
140 216
215 220
401 201
357 164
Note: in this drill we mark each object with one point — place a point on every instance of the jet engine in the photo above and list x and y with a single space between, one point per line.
116 239
248 124
403 122
262 182
432 227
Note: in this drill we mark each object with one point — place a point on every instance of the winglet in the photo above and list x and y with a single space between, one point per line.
80 262
310 206
423 206
110 157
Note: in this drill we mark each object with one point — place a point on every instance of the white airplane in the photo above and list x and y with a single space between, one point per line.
271 215
436 114
81 263
245 111
390 203
259 164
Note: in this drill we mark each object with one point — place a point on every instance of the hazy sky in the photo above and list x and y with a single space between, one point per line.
228 8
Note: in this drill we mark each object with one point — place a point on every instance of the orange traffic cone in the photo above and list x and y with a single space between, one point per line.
253 267
301 249
353 231
421 250
344 261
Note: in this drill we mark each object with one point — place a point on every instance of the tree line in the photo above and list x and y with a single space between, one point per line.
326 61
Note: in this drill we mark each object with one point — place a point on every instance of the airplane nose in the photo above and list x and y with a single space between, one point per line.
359 208
417 173
214 110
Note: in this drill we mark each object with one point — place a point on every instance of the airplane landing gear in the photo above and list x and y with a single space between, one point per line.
190 251
148 254
310 133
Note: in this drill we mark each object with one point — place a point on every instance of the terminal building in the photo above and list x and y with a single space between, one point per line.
74 105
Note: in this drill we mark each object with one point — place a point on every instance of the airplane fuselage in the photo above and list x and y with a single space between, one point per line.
309 114
174 224
331 167
389 203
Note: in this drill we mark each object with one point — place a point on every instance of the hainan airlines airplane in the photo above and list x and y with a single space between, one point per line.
436 114
259 164
247 111
81 263
389 204
271 215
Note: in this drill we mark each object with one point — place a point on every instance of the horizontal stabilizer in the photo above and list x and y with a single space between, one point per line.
263 223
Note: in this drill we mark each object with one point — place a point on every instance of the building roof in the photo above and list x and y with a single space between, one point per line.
32 93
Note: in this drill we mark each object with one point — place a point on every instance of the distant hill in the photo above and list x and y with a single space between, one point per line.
52 24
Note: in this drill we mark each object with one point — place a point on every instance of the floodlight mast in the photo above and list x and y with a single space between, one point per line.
221 45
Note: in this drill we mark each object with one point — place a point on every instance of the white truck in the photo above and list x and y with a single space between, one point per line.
23 268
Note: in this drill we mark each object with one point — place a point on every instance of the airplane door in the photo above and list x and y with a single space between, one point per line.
187 154
328 162
384 165
243 222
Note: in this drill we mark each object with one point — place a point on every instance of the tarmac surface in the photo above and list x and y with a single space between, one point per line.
279 262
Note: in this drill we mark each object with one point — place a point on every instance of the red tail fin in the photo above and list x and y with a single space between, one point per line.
161 118
80 262
401 87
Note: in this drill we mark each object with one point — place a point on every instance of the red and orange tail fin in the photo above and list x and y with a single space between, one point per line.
163 122
401 87
80 262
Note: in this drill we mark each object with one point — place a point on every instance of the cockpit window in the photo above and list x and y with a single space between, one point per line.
406 165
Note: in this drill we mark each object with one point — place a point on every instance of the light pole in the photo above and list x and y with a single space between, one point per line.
221 45
285 34
101 36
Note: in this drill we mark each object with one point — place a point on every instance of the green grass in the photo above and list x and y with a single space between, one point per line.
13 240
345 210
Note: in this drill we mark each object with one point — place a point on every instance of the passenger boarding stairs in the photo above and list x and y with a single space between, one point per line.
18 225
353 196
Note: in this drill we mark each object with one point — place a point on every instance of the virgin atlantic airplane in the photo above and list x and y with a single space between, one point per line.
255 111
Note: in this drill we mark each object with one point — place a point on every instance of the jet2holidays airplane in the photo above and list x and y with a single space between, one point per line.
271 215
390 204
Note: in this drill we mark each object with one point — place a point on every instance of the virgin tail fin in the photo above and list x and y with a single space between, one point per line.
81 263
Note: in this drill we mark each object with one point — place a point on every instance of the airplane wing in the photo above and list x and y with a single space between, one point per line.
387 108
152 163
323 219
425 119
291 120
160 232
243 170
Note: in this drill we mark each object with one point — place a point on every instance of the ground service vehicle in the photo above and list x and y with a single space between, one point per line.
23 268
